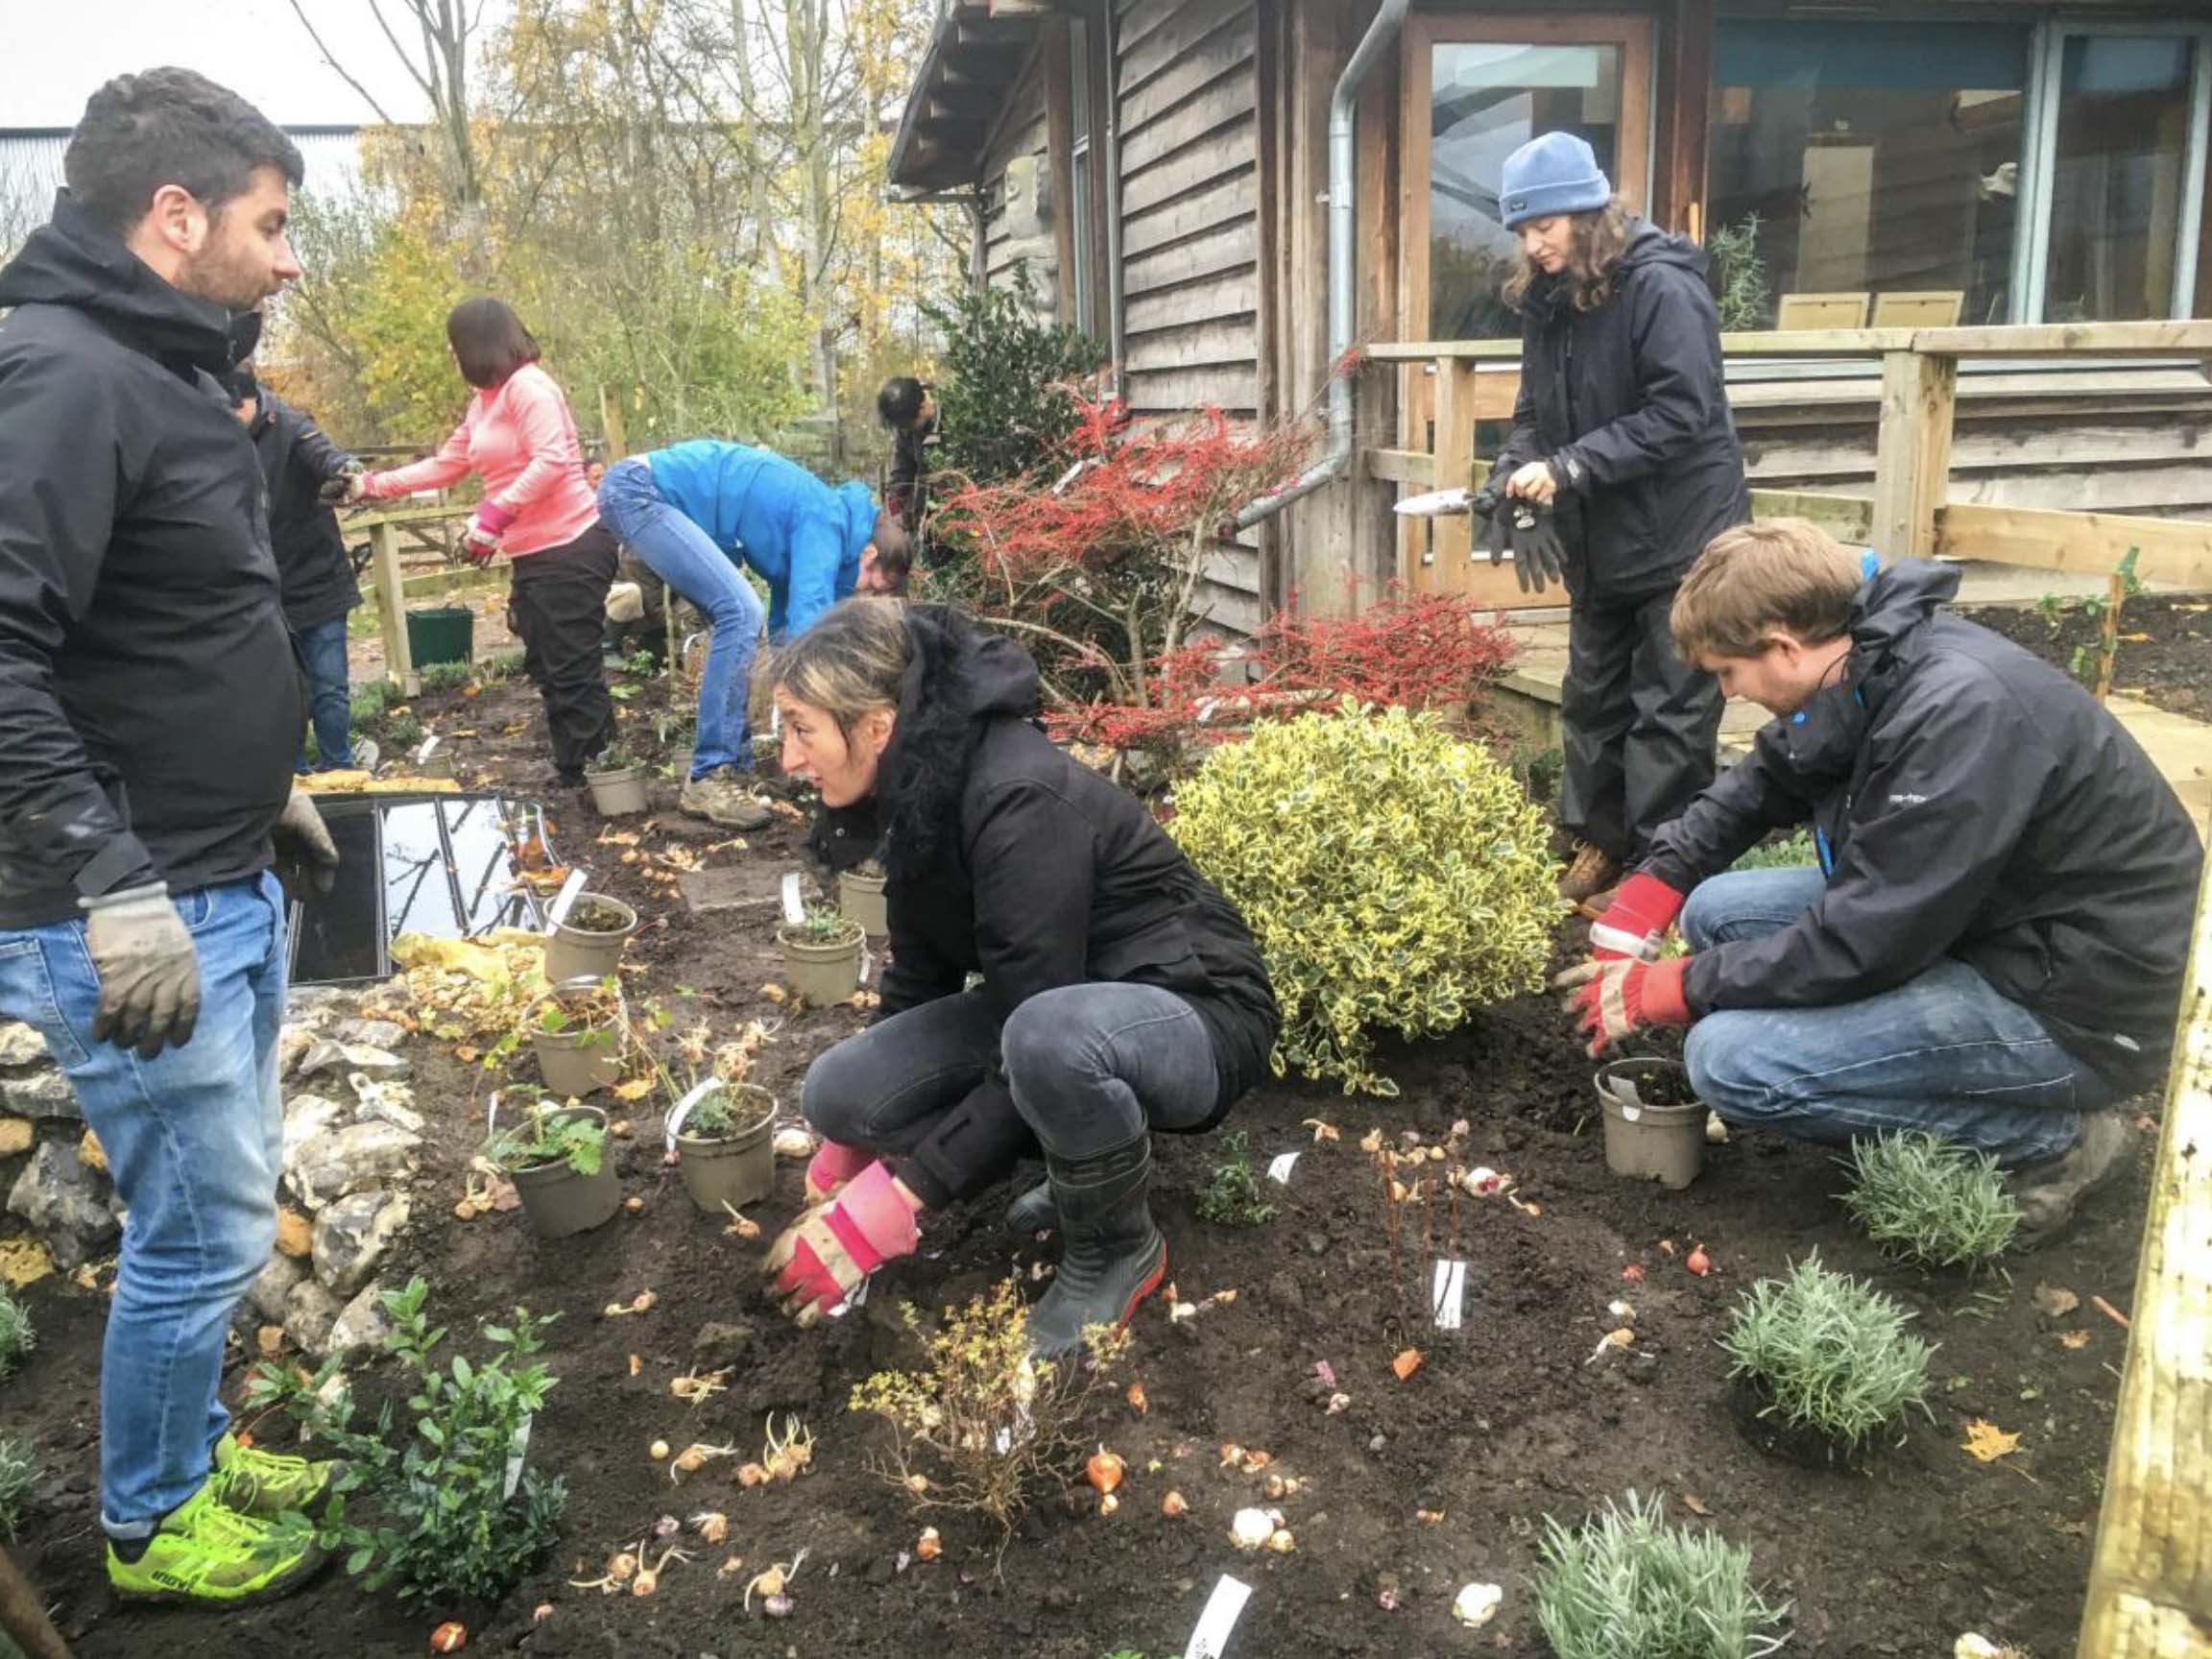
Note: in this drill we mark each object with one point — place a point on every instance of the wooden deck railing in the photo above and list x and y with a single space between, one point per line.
1908 514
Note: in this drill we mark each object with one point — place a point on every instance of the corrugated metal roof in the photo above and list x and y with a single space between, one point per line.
31 158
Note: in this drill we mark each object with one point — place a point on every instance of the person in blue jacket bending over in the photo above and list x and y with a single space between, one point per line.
693 512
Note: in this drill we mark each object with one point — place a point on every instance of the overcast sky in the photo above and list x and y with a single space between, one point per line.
53 53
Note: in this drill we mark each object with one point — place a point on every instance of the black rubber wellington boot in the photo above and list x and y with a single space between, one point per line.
1111 1255
1034 1211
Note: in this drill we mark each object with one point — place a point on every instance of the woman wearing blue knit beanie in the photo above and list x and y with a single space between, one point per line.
1623 432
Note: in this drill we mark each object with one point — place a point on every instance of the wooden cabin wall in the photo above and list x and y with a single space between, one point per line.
1019 225
1194 235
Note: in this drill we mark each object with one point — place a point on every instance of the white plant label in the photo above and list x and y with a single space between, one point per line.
1211 1639
794 907
564 899
1279 1168
424 754
517 1454
491 1115
1447 1294
681 1114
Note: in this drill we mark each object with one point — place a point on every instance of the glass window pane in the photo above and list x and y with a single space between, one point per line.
1486 101
2119 171
1865 158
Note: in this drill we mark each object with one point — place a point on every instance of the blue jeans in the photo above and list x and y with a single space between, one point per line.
1091 1067
321 651
685 558
195 1140
1943 1053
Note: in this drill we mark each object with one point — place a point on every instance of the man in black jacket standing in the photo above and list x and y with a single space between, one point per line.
1993 946
908 407
305 475
148 717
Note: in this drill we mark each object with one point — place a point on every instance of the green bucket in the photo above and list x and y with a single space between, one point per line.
445 634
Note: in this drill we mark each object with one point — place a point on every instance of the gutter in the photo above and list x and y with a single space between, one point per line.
1343 264
1117 336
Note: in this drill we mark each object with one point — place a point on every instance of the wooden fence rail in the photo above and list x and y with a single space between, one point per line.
1908 514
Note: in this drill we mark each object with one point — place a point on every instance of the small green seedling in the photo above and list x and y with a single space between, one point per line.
504 667
1231 1195
1827 1353
1931 1202
548 1138
1625 1582
614 758
16 1337
727 1112
448 676
18 1474
822 925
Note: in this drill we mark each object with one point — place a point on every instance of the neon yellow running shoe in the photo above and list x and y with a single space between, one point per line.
207 1555
265 1484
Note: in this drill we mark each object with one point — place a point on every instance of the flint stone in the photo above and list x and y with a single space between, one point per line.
309 1312
65 1203
371 1033
350 1236
362 1327
42 1095
21 1045
328 1056
273 1287
360 1156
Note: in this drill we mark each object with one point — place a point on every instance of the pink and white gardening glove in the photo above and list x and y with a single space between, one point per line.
822 1258
480 542
1643 908
831 1167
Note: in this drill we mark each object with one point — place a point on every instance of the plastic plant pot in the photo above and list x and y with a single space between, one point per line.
589 942
559 1201
1655 1125
577 1062
821 973
861 898
619 792
725 1172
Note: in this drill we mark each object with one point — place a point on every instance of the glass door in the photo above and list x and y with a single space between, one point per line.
2116 180
1476 89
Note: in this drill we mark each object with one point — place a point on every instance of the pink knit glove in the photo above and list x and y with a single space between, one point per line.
825 1256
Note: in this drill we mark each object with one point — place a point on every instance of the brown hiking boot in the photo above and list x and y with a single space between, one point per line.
2050 1192
1592 872
721 796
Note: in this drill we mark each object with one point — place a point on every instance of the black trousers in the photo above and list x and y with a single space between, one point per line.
557 604
1641 725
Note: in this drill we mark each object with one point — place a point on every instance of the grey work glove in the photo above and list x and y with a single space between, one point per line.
149 972
304 849
341 490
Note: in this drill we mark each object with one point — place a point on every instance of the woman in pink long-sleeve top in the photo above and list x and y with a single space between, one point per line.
537 511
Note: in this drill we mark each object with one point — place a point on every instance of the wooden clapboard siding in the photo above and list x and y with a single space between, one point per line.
1187 105
1024 129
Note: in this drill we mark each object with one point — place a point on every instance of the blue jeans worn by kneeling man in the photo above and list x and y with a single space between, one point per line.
195 1140
1943 1053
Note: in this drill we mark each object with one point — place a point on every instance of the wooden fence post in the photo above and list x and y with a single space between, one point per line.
1912 454
391 609
2150 1577
1454 534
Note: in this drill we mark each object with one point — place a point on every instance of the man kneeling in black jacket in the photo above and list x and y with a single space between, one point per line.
1993 944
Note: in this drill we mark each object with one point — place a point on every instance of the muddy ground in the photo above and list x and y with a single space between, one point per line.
1506 1422
2165 655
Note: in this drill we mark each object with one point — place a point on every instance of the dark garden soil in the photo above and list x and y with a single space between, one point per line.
2165 653
1506 1422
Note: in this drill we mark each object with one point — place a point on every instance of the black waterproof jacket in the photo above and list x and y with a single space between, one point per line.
149 709
1627 402
906 483
297 460
1967 801
1007 857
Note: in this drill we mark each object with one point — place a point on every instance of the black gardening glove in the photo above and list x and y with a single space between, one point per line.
1539 558
1487 503
337 491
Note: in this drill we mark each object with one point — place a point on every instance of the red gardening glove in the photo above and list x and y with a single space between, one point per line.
831 1167
1616 998
822 1258
480 542
1643 908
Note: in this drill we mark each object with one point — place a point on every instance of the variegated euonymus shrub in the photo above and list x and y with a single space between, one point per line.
1396 877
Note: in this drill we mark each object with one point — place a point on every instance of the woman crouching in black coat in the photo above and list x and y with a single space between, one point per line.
1120 991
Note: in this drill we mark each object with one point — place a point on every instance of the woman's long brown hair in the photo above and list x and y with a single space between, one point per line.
1600 239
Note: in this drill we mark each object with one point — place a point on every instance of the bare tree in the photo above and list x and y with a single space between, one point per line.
437 61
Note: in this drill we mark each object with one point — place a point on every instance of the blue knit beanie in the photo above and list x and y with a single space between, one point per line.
1553 173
